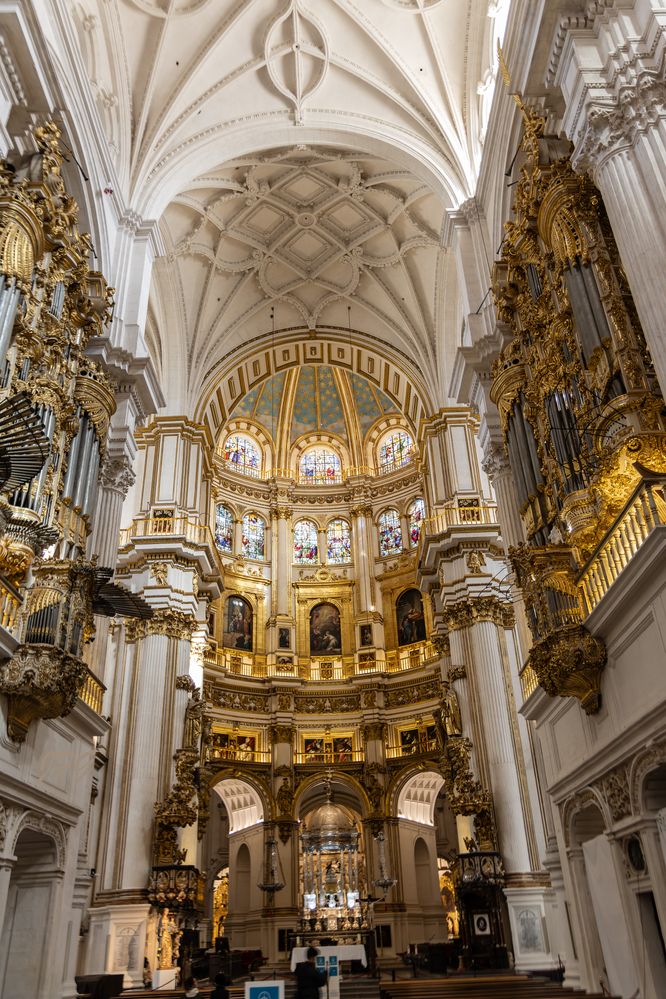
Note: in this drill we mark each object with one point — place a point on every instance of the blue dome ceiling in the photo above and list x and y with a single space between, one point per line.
316 398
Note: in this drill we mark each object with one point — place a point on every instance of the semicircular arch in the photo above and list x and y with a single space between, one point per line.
243 370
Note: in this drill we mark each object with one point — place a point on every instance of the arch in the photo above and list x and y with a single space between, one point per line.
325 630
654 789
416 512
48 827
423 869
243 879
167 177
224 528
242 453
253 538
306 543
389 526
584 816
338 541
416 797
394 449
346 791
320 465
246 367
242 801
641 767
410 617
237 632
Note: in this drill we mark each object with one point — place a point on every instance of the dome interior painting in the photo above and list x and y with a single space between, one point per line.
316 399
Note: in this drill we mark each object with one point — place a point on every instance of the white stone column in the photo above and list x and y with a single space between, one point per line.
500 744
496 467
363 554
322 545
116 477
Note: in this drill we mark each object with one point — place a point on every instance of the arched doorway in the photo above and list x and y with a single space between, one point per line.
239 840
32 908
426 834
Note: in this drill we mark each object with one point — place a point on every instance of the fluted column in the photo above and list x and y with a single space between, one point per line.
145 739
501 745
496 466
116 477
363 557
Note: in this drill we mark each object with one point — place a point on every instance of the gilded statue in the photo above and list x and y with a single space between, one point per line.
451 717
193 720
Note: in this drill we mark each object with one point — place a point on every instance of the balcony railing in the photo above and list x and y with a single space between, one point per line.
92 692
177 527
419 748
221 754
322 668
644 511
331 757
10 605
338 478
528 681
459 516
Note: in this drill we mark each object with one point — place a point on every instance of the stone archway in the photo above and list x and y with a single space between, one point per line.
33 906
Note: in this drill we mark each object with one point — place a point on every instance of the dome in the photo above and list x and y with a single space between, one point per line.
330 819
318 398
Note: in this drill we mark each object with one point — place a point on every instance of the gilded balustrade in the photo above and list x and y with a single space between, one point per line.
247 664
92 692
644 511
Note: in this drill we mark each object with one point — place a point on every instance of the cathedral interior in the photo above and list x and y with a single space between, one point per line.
333 496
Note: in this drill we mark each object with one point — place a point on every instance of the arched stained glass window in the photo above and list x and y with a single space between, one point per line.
395 450
338 542
242 454
390 533
416 514
320 466
224 528
306 542
254 537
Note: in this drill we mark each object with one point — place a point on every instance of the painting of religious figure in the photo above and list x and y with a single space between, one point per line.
314 749
366 634
238 624
411 620
284 638
342 749
325 636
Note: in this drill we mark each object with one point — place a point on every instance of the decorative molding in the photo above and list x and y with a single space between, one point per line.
472 610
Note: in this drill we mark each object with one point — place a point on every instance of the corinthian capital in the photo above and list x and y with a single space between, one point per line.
117 474
495 462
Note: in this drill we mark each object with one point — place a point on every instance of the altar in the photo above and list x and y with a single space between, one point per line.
343 952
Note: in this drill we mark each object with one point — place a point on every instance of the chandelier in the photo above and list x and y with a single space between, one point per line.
274 880
384 882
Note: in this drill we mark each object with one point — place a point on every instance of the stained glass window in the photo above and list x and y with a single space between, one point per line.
254 536
390 533
242 454
416 513
395 450
306 547
338 542
320 466
224 528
